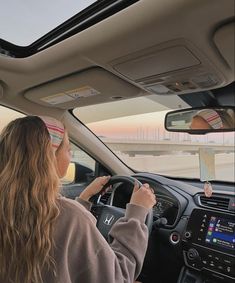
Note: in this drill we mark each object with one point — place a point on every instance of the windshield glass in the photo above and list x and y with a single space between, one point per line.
134 130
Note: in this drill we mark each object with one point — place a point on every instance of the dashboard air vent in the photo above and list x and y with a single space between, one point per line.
218 202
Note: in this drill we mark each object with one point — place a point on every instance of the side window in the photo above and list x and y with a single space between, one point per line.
7 115
81 157
81 168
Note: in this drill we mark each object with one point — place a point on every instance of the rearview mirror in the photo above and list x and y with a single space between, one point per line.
201 120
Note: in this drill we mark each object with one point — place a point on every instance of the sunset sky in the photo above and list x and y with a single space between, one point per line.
148 126
130 125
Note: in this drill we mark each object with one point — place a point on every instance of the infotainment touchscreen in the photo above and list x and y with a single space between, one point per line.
221 233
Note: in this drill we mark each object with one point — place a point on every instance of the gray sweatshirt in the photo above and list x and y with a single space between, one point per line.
83 255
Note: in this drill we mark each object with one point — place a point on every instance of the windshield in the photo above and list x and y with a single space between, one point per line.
134 130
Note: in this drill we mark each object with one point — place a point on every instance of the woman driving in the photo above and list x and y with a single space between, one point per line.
45 237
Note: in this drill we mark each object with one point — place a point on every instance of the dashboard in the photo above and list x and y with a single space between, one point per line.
193 237
209 243
163 207
197 238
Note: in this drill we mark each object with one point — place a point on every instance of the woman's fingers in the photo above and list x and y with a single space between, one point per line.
144 196
136 187
103 180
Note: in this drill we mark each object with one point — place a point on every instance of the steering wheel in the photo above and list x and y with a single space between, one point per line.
107 215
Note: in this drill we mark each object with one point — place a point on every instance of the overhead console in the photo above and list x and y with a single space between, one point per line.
174 67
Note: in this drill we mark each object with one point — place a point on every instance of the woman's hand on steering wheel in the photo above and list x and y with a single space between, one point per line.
143 196
94 188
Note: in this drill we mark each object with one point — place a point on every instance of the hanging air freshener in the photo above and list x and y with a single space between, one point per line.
207 169
208 189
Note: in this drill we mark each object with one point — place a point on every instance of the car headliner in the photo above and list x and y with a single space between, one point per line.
99 57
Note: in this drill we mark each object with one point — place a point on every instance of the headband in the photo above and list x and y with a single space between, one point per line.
211 117
55 129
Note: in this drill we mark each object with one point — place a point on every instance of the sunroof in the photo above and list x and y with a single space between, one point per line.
29 27
24 22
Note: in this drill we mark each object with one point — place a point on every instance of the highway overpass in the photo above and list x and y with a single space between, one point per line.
146 147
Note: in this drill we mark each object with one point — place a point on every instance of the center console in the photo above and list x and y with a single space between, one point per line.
209 244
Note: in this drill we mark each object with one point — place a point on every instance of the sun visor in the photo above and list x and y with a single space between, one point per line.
88 87
224 39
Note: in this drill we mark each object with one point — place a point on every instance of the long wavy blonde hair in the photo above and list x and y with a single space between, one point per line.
29 187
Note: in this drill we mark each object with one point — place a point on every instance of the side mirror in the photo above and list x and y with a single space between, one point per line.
70 175
201 120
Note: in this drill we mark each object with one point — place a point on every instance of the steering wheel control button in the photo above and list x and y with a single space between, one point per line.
174 238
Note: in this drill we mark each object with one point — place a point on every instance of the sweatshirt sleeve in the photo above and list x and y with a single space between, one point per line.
86 204
122 260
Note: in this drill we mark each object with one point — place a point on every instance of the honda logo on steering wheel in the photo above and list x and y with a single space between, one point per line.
109 219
